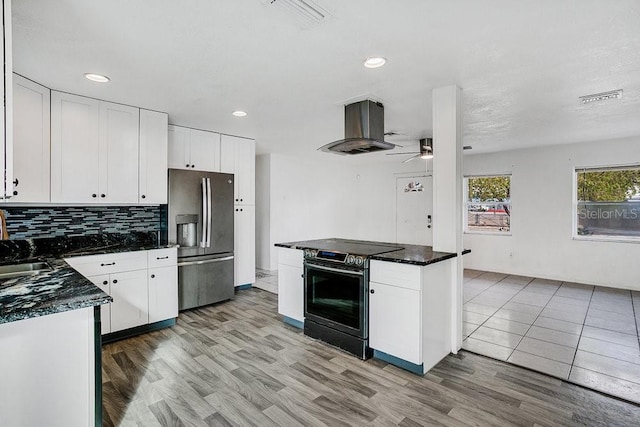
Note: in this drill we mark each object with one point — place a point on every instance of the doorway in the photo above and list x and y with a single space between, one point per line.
414 210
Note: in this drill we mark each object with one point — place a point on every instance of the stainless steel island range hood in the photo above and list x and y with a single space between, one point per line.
363 130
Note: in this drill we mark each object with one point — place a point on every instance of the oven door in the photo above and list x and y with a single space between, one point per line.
337 297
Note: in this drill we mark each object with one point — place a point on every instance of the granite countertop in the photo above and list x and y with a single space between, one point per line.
406 254
62 288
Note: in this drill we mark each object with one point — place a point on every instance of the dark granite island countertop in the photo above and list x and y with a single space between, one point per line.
63 288
405 254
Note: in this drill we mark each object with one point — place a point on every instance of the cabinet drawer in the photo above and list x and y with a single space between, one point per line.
292 257
94 265
162 257
395 274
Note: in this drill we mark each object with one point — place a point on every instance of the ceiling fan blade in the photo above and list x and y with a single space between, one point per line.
411 158
395 154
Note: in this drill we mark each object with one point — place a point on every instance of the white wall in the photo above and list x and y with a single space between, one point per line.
541 242
326 195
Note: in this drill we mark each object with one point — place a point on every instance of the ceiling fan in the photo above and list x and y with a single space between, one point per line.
426 150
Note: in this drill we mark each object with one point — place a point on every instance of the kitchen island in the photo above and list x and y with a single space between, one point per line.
407 297
50 331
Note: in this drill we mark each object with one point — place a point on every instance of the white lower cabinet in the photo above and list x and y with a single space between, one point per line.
245 244
394 321
290 284
163 293
143 285
130 307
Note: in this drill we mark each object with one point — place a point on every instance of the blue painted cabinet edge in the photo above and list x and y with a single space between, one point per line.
293 322
400 363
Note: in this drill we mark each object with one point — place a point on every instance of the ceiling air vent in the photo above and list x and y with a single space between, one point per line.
614 94
306 13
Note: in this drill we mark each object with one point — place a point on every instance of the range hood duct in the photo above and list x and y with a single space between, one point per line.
363 130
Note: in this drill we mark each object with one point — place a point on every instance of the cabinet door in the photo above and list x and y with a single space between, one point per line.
179 147
291 292
153 157
31 141
130 306
163 293
205 151
6 89
394 321
237 156
74 148
119 133
102 282
245 171
245 245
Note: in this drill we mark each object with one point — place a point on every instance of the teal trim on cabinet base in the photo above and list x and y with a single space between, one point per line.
400 363
127 333
243 287
293 322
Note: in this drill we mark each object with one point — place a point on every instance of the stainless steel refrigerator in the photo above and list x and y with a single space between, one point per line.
201 222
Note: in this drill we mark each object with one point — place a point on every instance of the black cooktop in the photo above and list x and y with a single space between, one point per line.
352 247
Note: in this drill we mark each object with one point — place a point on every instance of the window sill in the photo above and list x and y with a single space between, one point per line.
488 233
610 239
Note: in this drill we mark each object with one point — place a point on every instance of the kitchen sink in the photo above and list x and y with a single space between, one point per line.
23 269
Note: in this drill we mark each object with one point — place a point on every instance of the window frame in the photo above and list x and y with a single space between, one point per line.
574 211
466 202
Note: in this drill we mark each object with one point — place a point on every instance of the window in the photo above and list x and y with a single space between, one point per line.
488 204
608 202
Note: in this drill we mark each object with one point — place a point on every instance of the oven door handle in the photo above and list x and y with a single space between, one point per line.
335 270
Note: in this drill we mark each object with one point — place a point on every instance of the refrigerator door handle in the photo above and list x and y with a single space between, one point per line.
209 212
205 220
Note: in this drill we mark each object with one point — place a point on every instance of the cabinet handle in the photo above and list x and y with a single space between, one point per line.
193 166
162 257
94 195
102 195
236 200
115 281
373 291
240 199
153 276
15 193
107 263
16 182
106 282
143 196
187 165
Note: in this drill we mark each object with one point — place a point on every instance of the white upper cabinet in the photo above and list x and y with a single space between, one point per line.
31 141
74 148
6 89
153 157
194 149
94 150
119 133
238 156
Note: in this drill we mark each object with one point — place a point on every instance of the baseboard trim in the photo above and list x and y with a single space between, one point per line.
400 363
128 333
244 287
293 322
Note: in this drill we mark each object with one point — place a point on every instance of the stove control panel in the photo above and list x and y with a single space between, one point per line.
339 257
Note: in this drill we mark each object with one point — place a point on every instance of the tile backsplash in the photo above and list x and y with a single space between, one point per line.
37 222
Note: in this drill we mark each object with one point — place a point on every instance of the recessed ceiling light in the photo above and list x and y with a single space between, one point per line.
614 94
97 77
374 62
239 113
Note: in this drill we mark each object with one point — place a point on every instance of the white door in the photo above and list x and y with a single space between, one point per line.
246 166
414 210
153 157
245 245
130 306
179 147
205 151
291 292
74 148
163 293
31 141
119 133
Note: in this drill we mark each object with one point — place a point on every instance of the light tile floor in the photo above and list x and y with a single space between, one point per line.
267 280
584 334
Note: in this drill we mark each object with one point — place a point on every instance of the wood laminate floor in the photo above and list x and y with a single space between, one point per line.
236 363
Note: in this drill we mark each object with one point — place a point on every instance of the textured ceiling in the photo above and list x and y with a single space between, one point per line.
521 65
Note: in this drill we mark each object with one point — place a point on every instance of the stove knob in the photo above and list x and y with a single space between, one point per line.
314 253
351 259
307 253
359 261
